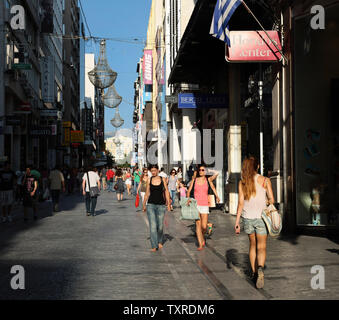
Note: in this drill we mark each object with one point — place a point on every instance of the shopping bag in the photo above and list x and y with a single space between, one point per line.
189 212
46 194
137 201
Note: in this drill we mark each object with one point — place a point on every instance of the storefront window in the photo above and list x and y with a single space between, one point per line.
316 97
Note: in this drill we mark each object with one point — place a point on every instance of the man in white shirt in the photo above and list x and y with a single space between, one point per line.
94 181
57 183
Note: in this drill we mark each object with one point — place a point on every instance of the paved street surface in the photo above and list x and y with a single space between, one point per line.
70 256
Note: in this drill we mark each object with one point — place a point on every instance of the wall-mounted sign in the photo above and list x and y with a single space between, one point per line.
77 136
41 131
202 101
171 99
253 46
50 113
67 136
67 124
47 79
148 67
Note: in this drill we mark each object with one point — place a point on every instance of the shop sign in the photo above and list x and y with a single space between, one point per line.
67 124
13 121
148 67
171 99
21 66
253 46
41 131
67 136
50 113
77 136
47 79
202 101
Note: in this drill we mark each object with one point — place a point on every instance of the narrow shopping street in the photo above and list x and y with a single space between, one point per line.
71 256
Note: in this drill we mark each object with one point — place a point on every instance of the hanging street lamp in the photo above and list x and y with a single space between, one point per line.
102 76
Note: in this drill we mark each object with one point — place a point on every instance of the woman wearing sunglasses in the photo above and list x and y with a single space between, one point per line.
143 184
199 190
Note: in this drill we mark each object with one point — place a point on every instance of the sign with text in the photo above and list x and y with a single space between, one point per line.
253 46
77 136
202 101
47 79
148 67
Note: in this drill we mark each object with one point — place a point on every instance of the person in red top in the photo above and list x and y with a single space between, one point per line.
110 176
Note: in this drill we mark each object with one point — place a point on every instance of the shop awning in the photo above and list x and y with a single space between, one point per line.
200 54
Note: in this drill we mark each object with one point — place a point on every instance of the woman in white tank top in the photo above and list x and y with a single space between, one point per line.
254 190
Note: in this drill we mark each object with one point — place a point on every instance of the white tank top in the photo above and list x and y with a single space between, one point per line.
254 207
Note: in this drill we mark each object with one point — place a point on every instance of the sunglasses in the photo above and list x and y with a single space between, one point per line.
201 170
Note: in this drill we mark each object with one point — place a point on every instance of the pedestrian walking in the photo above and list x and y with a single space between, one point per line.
136 176
172 186
90 179
199 190
120 185
179 173
7 185
104 178
56 183
128 181
182 189
253 192
156 197
163 173
110 179
143 184
30 193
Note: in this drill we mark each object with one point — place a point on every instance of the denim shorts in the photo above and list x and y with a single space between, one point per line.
255 226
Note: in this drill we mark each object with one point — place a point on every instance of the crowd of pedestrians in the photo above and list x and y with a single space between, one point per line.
158 192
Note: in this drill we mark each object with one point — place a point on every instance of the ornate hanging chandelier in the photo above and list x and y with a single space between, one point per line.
111 99
102 76
117 121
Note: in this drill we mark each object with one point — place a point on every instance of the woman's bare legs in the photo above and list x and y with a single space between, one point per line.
253 251
261 249
201 226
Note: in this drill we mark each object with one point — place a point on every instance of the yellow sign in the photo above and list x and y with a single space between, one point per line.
67 135
77 136
67 124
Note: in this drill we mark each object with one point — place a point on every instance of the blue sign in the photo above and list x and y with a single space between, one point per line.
202 101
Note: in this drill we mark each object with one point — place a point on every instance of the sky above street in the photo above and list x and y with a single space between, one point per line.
125 21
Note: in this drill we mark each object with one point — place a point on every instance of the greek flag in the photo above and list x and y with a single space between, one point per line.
223 12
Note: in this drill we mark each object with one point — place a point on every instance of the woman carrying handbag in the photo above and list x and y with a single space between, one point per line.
253 189
199 190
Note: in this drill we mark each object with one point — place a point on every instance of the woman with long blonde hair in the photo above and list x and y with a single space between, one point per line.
253 190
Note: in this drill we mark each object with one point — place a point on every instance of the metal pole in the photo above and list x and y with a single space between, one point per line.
2 85
261 26
260 105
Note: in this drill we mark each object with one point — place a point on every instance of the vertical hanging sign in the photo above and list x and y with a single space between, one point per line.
148 67
47 79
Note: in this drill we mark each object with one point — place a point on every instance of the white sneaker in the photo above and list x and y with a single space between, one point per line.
10 219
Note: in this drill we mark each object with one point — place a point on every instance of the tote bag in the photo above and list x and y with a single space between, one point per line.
189 212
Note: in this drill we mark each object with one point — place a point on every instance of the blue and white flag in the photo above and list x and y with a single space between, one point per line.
223 12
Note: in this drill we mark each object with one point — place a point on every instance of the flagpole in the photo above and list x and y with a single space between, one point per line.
261 26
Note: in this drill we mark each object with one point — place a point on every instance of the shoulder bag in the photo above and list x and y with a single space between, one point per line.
272 219
93 191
